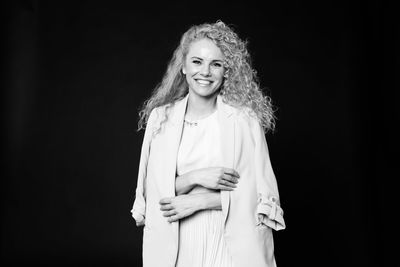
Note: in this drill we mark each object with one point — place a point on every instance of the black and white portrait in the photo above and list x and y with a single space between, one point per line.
202 134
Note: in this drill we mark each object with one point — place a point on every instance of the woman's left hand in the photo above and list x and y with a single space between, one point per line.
179 207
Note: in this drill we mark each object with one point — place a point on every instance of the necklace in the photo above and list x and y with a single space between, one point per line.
190 123
195 123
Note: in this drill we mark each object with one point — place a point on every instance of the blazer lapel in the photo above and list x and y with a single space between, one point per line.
173 139
227 130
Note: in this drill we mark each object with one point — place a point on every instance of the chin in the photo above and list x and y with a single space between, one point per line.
206 93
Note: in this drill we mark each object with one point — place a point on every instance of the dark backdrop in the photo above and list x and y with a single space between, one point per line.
75 74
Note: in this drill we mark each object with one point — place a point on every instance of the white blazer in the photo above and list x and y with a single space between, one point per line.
249 240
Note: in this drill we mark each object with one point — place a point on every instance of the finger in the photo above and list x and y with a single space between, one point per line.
166 207
226 183
230 178
173 218
225 188
169 213
166 200
231 172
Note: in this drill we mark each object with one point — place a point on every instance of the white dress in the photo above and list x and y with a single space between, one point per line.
201 240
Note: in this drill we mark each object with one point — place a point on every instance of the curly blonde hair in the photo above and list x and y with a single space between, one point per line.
240 87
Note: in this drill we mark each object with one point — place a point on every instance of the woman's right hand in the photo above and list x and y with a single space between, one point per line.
217 178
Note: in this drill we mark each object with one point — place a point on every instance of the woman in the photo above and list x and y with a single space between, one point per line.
206 192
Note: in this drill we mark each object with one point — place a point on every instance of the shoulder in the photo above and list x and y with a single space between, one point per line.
162 113
245 116
154 114
247 122
242 114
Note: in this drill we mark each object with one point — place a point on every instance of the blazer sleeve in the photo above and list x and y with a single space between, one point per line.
139 206
267 189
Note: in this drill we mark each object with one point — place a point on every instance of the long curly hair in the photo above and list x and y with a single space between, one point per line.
240 87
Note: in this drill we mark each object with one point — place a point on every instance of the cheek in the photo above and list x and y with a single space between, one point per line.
219 74
191 70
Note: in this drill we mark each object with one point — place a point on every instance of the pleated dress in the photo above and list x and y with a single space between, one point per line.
201 240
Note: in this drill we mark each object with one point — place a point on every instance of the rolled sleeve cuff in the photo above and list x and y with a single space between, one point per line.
273 213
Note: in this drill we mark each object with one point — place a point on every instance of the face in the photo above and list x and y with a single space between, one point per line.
204 68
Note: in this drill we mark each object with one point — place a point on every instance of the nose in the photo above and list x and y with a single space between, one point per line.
205 70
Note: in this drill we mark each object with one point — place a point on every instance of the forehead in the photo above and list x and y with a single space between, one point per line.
206 49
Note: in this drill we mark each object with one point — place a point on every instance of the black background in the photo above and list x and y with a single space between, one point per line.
75 75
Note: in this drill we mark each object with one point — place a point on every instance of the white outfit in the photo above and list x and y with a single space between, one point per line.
201 236
251 211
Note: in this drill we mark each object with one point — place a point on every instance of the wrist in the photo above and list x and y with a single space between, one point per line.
193 179
202 201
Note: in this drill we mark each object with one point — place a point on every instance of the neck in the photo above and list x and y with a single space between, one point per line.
199 107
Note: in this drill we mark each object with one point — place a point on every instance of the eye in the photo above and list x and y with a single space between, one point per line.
217 64
196 62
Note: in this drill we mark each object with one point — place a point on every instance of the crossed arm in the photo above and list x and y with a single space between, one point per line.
198 190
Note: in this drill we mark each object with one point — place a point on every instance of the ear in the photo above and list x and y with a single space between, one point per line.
184 70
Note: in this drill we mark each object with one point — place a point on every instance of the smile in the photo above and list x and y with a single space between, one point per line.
203 82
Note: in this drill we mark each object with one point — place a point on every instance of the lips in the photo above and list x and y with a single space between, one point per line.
203 82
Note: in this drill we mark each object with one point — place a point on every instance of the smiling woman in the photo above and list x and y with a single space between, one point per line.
206 192
204 68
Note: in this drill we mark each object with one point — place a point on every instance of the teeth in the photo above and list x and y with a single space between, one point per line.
203 82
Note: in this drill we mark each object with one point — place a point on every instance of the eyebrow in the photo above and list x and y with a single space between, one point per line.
220 60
